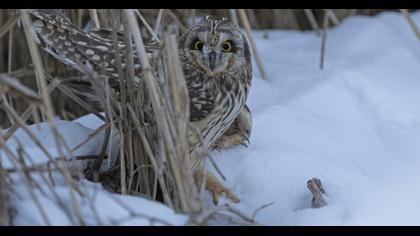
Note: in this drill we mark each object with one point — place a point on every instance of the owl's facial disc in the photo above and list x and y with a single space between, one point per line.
215 48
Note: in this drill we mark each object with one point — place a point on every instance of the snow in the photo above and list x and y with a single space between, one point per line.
355 125
107 209
73 133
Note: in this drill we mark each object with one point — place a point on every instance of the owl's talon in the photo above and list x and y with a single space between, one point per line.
238 132
232 196
246 139
216 193
214 186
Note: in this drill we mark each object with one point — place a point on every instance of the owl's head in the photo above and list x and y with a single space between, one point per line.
215 47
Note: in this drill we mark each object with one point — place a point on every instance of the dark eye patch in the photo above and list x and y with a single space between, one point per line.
197 44
232 45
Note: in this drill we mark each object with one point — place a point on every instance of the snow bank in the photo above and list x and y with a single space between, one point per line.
355 125
97 207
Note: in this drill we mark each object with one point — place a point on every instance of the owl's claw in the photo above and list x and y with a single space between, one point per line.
245 138
216 189
229 194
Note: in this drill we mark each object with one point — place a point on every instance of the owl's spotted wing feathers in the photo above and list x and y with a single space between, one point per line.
57 35
63 40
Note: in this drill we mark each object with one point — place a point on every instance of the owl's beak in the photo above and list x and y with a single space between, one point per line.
212 59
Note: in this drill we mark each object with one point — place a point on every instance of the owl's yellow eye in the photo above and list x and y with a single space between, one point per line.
227 46
198 45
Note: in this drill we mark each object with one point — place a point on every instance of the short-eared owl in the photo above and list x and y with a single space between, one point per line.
216 60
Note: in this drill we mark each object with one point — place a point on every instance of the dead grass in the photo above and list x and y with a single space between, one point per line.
152 115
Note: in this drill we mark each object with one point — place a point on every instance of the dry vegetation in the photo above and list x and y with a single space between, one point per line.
152 115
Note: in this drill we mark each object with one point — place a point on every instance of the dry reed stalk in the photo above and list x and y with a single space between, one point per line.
177 20
20 162
121 122
123 174
94 17
331 14
147 26
3 99
252 18
79 18
158 21
193 13
25 177
312 21
171 116
4 205
151 156
10 52
324 39
410 21
39 71
10 83
130 25
50 158
48 110
25 115
228 211
293 19
104 15
128 81
45 101
234 16
180 101
9 24
160 116
248 31
95 133
66 91
3 17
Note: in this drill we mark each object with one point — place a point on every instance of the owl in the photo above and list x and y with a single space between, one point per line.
216 60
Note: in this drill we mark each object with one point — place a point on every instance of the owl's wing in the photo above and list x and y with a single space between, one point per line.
61 38
202 99
151 46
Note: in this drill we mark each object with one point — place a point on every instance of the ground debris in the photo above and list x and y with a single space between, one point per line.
314 185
